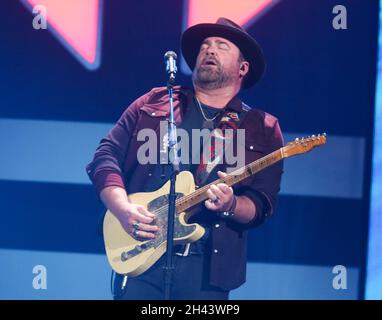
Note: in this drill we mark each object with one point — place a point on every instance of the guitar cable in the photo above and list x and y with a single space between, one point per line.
112 283
112 287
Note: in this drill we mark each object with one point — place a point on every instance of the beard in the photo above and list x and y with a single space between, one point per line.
212 76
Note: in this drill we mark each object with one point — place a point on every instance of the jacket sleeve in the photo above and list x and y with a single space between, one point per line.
106 167
263 187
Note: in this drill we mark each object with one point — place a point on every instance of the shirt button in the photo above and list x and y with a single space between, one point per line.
251 147
217 225
150 174
216 251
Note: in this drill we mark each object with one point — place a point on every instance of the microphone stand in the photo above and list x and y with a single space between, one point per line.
174 159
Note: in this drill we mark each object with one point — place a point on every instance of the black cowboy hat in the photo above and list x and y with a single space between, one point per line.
193 37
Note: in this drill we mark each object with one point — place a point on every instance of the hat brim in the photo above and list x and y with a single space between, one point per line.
193 37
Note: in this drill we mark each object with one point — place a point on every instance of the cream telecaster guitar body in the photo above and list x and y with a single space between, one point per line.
131 257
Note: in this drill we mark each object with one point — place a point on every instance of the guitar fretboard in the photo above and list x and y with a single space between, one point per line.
199 195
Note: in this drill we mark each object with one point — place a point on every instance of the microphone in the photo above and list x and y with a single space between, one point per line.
170 60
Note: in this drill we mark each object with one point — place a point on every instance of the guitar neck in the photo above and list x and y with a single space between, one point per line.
199 195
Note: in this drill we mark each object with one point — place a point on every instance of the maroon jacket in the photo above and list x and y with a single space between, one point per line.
115 164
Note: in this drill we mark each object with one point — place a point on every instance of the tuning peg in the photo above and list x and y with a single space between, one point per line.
324 134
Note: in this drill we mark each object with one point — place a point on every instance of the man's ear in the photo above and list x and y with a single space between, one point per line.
244 68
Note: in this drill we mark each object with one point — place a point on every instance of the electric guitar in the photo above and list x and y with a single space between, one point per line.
132 257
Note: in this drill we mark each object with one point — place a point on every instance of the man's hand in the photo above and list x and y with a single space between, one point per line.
220 196
136 220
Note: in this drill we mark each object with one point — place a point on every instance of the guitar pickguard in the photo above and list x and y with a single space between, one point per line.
159 206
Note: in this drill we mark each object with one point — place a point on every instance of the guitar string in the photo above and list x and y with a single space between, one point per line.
277 153
245 169
204 188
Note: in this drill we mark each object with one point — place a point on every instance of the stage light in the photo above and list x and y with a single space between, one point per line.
77 25
241 11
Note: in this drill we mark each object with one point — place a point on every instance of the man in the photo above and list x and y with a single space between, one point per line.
224 59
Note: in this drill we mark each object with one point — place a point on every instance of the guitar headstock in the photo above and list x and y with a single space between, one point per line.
303 145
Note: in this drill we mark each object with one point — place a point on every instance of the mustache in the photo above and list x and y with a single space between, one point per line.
210 60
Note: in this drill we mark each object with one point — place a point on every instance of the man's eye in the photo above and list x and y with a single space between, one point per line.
223 46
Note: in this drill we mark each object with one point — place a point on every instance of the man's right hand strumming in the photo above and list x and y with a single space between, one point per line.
135 218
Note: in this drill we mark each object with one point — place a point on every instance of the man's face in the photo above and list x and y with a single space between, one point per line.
217 64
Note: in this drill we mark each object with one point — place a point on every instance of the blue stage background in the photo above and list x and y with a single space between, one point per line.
53 112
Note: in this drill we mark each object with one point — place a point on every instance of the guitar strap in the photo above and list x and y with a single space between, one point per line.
220 139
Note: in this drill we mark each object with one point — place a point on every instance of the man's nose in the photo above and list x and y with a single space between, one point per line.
211 50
